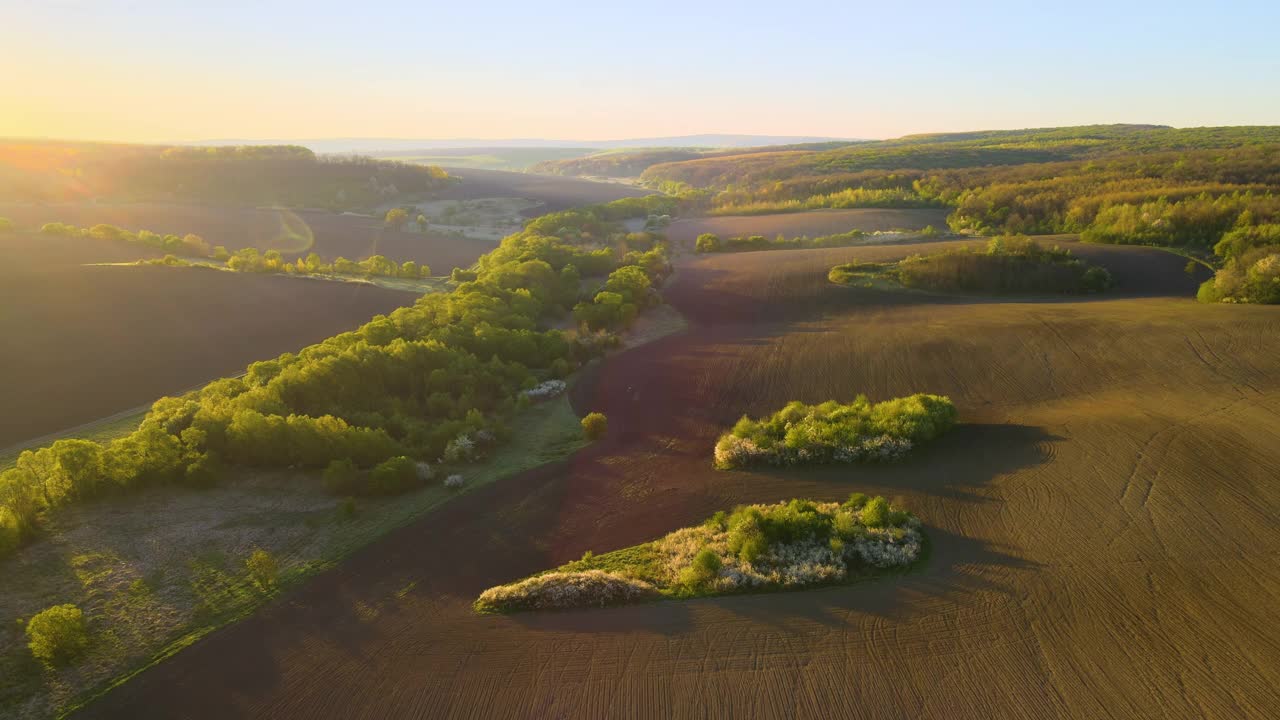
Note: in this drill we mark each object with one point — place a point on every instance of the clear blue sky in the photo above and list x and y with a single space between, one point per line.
150 70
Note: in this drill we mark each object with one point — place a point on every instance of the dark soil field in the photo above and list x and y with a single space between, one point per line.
813 223
1103 528
291 232
83 342
556 192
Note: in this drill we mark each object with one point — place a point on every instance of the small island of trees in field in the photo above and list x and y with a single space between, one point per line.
832 432
1008 264
713 243
756 547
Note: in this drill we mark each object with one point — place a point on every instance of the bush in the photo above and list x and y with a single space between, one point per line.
703 570
340 476
6 225
707 243
57 635
57 228
394 476
832 432
875 514
263 569
564 590
454 482
595 425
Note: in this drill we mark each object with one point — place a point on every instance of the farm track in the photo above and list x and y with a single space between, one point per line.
1102 524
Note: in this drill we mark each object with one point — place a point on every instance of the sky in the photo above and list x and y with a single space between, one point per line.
151 71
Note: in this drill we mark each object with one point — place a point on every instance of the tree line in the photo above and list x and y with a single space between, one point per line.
245 259
434 381
50 171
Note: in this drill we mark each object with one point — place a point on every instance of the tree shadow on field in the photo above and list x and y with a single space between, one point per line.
948 478
955 568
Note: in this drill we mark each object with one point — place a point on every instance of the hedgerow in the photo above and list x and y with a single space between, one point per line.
832 432
1008 264
437 379
784 545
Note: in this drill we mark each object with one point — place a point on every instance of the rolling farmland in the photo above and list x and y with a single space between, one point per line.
91 341
1102 526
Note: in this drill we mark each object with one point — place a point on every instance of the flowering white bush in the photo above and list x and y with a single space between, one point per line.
801 562
460 449
424 471
789 544
565 590
546 390
453 482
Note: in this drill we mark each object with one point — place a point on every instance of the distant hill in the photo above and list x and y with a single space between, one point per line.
376 146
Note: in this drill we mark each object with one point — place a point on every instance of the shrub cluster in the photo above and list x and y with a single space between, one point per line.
435 380
712 243
57 635
546 390
788 544
595 425
557 590
251 260
1008 264
832 432
1250 272
189 245
246 259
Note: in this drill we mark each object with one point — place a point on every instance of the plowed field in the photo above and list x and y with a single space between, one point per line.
83 342
1103 524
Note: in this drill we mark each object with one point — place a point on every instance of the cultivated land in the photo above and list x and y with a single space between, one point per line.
292 232
555 193
1102 526
85 342
814 223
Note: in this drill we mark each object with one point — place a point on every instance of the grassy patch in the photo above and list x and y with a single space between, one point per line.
151 584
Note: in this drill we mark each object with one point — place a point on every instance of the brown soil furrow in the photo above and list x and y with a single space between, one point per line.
1102 526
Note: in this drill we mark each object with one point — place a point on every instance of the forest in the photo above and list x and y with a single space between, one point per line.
433 382
286 175
1129 184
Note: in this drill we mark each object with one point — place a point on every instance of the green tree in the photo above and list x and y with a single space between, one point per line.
396 218
263 569
57 635
6 225
707 243
422 223
595 425
394 476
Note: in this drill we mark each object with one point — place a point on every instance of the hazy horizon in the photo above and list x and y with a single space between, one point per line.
154 72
